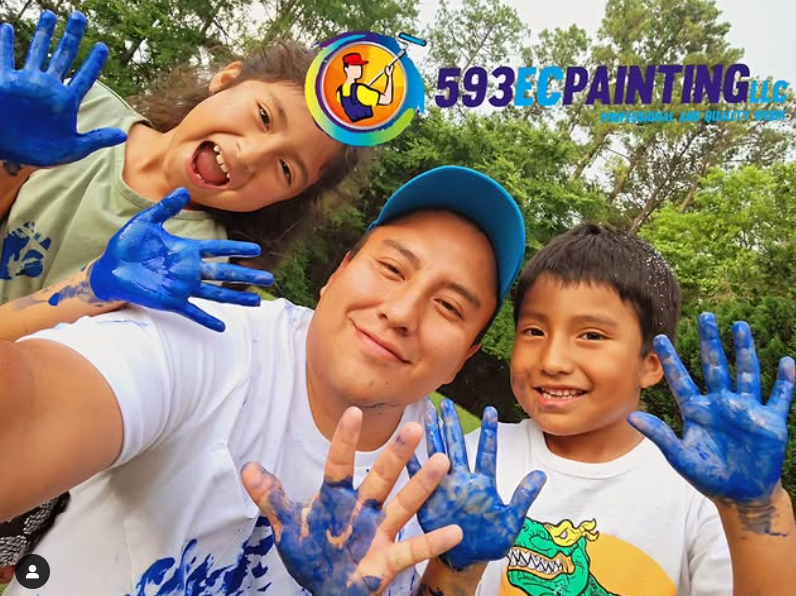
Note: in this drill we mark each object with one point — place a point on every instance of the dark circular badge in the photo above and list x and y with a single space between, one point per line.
32 572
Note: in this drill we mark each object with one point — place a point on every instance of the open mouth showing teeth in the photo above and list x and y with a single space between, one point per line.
522 559
209 165
562 394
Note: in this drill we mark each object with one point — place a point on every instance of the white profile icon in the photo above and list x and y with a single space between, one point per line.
32 574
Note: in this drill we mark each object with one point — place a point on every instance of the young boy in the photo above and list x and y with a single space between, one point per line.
615 517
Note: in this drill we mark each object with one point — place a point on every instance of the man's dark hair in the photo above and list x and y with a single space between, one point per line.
599 255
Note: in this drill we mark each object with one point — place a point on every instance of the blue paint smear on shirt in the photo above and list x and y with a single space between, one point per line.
23 252
191 577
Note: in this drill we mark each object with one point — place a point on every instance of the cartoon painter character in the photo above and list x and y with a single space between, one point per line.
358 98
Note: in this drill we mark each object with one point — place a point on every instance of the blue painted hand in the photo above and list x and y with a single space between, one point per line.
343 541
470 499
146 265
38 112
733 446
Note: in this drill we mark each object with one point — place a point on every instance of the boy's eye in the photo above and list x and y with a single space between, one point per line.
265 117
534 332
286 171
593 336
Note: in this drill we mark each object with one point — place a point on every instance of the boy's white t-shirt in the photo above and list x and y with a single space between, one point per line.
630 527
171 516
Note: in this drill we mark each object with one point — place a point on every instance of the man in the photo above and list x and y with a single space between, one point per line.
153 416
358 98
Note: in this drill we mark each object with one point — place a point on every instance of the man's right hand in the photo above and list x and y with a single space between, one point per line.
38 112
342 543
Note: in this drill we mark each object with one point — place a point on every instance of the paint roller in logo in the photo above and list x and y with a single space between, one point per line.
405 39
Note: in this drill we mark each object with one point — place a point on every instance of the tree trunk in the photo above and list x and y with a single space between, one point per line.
657 198
638 154
691 192
209 20
23 10
596 145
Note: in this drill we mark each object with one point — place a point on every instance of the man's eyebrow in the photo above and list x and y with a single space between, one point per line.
285 123
408 254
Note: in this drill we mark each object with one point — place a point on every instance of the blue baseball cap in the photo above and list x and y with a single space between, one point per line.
476 197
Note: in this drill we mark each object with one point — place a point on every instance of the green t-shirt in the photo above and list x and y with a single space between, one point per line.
63 217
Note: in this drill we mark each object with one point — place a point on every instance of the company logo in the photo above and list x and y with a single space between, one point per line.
363 89
691 85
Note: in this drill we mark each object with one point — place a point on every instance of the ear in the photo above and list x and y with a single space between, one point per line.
473 349
651 370
225 76
343 264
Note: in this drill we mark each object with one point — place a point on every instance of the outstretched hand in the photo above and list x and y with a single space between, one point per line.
470 499
733 446
146 265
343 541
38 112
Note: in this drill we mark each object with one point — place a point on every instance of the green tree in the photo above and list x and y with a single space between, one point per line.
737 238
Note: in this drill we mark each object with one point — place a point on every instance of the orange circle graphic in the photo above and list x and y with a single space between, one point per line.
377 57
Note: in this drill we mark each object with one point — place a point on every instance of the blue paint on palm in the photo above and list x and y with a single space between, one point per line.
733 446
322 553
38 112
193 575
146 265
470 499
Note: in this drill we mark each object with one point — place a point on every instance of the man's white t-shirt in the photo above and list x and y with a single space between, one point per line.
630 527
171 516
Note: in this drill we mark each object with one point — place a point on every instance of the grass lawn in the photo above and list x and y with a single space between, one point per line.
468 420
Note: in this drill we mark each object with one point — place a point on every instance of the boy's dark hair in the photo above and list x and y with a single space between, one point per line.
275 226
596 254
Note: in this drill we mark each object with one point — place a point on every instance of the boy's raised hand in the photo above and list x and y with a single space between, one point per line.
470 499
343 541
146 265
733 445
38 112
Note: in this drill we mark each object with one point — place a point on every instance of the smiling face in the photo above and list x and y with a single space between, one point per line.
577 365
399 319
246 146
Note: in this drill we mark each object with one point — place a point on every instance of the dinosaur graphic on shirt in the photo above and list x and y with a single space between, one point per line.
551 560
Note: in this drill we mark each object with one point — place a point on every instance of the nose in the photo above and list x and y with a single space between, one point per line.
401 309
256 152
555 357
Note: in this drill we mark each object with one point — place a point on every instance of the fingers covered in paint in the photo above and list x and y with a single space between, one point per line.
733 446
342 542
146 265
38 112
470 499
